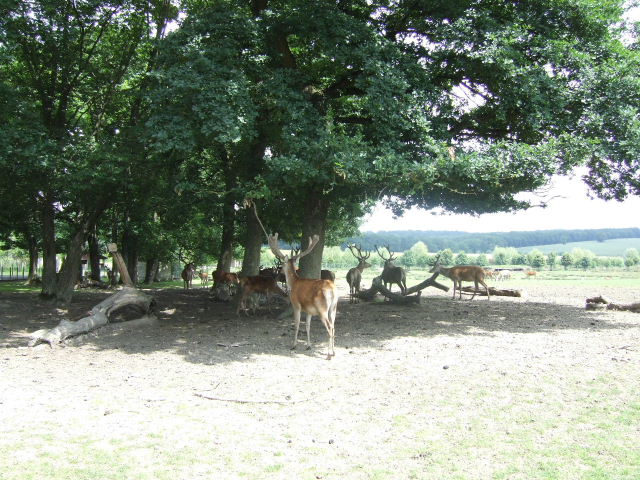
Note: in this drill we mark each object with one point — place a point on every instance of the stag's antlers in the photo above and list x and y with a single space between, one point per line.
315 297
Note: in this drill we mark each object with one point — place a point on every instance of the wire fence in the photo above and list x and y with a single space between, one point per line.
13 272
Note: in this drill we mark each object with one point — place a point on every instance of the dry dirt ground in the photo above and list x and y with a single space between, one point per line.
507 388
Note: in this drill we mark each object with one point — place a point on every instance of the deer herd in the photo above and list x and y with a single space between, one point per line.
319 297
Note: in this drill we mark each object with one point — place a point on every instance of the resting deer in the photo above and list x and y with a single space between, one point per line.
462 273
187 274
392 274
314 297
257 284
354 275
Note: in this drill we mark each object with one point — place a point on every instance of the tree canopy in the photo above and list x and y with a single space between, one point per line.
162 117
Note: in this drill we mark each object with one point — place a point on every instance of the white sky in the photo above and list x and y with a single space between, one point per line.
573 210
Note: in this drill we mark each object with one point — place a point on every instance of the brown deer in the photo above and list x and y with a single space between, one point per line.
204 279
224 277
260 285
390 273
314 297
354 275
187 274
462 273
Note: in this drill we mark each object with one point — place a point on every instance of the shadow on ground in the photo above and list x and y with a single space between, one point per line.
202 331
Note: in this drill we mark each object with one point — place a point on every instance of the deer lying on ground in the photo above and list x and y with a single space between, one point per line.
314 297
462 273
354 275
390 273
187 274
258 284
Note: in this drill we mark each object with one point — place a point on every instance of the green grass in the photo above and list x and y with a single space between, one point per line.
608 248
17 286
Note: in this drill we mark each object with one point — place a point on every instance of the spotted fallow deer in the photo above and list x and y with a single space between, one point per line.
462 273
314 297
354 275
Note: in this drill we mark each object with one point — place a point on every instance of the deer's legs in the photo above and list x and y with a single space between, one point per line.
308 331
296 324
487 289
329 325
475 290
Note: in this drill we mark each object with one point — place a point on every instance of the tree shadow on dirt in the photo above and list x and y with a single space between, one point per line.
207 332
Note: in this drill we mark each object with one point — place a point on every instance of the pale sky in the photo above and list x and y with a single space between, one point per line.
573 210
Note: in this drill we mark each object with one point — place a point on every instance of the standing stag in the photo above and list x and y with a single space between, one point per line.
390 273
314 297
187 274
354 276
460 273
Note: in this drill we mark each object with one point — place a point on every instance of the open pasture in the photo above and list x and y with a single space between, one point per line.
529 388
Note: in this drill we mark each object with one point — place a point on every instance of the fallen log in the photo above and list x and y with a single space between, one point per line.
494 292
631 307
377 286
602 303
97 317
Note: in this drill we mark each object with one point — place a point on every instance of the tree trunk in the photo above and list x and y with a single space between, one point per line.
151 272
228 215
33 259
94 256
252 245
49 274
68 276
130 253
315 223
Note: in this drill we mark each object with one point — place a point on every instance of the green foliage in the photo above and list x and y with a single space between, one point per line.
504 256
445 257
584 259
462 259
536 259
631 257
416 256
567 260
457 107
481 260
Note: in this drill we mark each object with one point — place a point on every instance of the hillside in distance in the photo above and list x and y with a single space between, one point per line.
402 240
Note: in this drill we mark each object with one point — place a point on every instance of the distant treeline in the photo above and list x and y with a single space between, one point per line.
402 240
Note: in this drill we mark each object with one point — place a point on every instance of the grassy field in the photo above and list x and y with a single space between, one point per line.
609 248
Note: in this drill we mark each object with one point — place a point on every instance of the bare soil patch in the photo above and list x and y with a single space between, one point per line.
444 389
